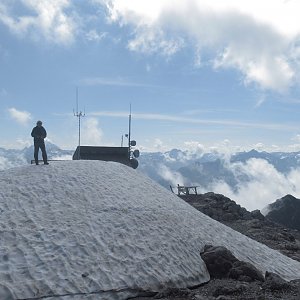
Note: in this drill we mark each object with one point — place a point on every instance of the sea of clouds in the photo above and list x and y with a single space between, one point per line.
263 186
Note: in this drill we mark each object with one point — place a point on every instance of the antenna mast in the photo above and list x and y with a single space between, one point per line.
129 132
132 155
79 115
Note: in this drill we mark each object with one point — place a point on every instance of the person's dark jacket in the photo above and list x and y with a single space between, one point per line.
38 133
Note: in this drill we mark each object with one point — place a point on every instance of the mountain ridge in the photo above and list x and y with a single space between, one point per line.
239 176
285 211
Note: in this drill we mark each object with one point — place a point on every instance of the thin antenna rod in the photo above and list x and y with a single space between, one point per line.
129 132
76 100
79 115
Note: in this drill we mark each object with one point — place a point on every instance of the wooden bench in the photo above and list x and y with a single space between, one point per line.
184 190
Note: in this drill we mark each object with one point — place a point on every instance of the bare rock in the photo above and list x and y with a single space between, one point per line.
256 214
228 290
221 263
275 282
218 260
292 247
285 211
244 271
174 292
252 224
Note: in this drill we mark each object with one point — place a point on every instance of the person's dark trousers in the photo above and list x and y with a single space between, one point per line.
41 145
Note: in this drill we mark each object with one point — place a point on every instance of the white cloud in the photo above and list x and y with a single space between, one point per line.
261 99
280 14
296 138
194 148
296 146
22 117
223 149
172 176
259 147
264 186
154 145
158 145
269 72
257 38
91 134
94 35
22 143
184 119
154 41
47 18
293 148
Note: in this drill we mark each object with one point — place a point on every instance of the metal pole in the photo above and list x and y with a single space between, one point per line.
79 115
79 135
129 133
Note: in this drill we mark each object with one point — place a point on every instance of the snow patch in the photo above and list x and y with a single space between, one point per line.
101 228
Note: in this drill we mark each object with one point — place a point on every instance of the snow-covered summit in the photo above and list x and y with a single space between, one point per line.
84 228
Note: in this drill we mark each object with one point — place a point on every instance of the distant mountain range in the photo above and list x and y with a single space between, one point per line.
13 157
195 169
180 167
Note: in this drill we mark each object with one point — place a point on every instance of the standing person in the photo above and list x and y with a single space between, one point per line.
39 134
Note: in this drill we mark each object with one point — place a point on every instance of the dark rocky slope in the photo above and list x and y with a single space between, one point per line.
252 224
285 211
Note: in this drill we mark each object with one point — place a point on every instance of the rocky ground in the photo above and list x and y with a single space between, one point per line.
238 280
229 289
252 224
285 211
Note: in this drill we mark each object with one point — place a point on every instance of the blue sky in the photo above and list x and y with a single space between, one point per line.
199 74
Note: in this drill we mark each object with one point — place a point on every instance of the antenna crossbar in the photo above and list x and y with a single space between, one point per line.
79 115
